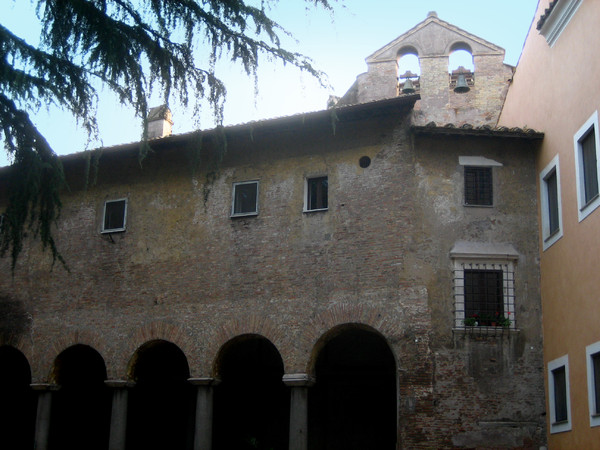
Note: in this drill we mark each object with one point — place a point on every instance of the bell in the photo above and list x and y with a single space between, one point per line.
408 87
461 84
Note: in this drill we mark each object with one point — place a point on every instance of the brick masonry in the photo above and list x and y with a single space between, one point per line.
378 259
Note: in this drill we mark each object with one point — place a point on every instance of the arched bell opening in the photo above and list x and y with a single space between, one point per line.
17 408
81 406
251 404
353 404
461 68
409 71
161 404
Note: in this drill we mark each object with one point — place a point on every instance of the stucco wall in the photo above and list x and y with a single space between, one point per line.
555 90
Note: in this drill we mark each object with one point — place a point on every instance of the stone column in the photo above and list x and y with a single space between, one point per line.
299 384
118 416
204 412
44 407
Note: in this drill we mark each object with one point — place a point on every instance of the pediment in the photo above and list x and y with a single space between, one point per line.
434 37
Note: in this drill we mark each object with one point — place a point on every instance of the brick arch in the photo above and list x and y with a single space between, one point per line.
342 317
45 365
252 324
153 331
23 345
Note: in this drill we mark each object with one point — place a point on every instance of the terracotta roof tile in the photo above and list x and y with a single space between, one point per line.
471 130
546 14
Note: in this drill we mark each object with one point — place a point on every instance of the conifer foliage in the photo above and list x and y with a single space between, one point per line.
131 47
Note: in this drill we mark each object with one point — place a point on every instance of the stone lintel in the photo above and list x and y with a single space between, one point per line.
298 379
119 384
204 381
44 387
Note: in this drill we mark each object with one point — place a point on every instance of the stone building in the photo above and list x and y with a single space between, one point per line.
363 277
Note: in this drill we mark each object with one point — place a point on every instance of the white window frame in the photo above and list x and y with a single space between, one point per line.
548 238
590 351
250 213
559 427
306 202
584 209
115 230
558 20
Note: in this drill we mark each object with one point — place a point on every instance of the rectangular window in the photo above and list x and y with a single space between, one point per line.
558 395
586 166
484 294
115 216
478 186
593 380
316 193
245 199
551 203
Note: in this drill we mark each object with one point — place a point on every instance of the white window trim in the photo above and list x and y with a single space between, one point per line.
239 183
553 365
591 350
559 19
549 239
310 177
115 230
583 209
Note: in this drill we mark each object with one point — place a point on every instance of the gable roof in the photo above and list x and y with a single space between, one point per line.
447 36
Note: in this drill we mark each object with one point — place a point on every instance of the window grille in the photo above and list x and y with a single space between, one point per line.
484 295
478 186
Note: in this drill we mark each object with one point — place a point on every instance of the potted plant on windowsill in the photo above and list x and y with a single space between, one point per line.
502 321
471 321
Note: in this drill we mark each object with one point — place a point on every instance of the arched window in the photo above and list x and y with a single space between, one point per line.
461 68
408 69
251 405
17 409
160 409
461 58
81 407
353 406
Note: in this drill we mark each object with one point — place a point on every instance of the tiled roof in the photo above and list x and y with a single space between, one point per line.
546 14
470 130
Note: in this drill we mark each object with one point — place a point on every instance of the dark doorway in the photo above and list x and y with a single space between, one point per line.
251 404
80 416
353 403
17 401
160 412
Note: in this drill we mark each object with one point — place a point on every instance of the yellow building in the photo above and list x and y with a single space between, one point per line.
556 88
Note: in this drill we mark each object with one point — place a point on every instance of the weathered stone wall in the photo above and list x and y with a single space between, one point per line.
433 41
186 272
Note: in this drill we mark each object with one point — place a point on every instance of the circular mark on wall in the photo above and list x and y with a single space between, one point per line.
364 162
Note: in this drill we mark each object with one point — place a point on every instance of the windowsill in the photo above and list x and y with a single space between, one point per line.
589 202
560 422
551 235
113 230
485 331
252 214
477 206
315 210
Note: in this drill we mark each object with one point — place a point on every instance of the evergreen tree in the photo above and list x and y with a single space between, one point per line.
128 46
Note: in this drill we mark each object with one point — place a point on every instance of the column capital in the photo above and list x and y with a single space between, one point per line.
119 384
44 387
204 381
298 380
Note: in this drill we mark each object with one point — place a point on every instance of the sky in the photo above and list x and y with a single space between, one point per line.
338 43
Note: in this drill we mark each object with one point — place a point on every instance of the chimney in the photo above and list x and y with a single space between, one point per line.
160 122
